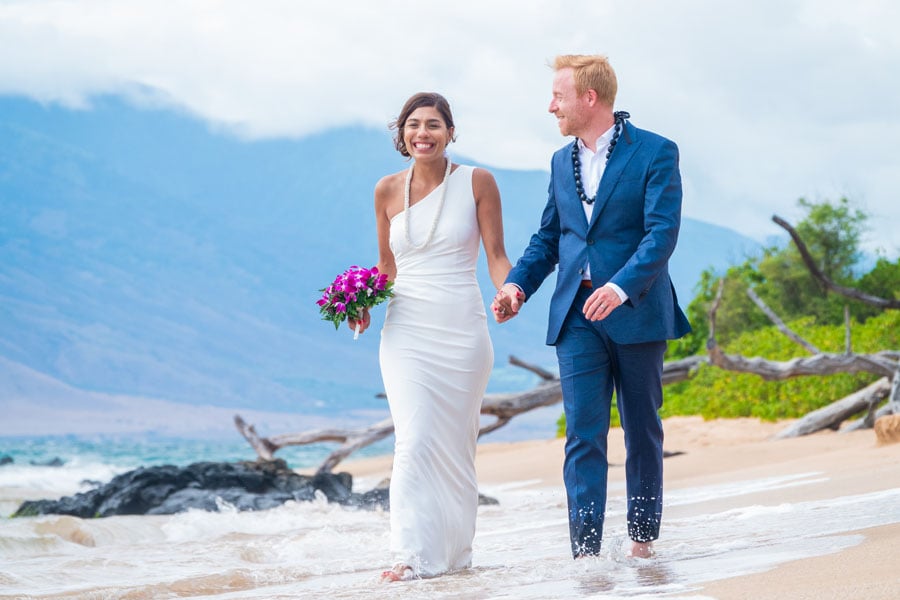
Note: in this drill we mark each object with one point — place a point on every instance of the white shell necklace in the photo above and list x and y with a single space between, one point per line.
437 214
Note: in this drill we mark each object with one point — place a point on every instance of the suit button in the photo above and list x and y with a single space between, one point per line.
590 242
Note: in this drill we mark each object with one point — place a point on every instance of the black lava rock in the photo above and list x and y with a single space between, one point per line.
167 489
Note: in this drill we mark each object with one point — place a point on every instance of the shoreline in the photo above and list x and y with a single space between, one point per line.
725 451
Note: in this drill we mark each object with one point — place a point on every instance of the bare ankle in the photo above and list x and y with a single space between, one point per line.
398 573
642 550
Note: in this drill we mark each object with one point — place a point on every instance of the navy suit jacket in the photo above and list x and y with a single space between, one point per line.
631 235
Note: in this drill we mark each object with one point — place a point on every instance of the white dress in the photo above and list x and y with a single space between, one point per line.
436 357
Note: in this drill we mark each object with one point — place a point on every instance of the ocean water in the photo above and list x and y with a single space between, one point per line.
319 550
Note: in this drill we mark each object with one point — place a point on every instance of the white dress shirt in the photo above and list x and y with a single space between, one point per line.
593 164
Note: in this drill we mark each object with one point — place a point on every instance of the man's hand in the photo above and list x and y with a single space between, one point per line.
601 303
363 323
507 302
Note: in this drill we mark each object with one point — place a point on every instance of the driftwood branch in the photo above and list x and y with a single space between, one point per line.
884 303
894 402
779 323
506 406
264 448
820 364
350 440
848 338
831 416
542 373
681 370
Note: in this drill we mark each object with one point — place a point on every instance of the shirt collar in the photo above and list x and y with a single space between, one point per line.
602 141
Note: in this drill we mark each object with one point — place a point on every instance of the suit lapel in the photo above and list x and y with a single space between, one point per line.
568 181
618 161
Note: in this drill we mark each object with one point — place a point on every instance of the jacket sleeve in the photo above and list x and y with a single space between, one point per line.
662 220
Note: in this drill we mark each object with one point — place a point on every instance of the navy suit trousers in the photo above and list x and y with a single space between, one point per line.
591 367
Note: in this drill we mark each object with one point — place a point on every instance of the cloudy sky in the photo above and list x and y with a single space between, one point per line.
768 100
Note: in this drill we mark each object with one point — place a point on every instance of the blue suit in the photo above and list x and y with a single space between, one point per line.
628 241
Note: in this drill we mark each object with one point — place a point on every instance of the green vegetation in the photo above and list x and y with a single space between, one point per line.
831 232
714 393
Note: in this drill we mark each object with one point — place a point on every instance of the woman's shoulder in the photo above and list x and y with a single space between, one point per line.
480 174
474 172
483 182
390 184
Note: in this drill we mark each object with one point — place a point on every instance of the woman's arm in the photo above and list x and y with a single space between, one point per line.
383 194
490 222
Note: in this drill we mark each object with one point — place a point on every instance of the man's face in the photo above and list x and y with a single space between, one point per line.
566 104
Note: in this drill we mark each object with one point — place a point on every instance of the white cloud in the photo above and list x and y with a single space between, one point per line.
769 101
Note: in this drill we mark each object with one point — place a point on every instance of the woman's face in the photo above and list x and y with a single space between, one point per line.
425 133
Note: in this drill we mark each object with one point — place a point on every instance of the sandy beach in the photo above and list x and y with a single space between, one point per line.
735 450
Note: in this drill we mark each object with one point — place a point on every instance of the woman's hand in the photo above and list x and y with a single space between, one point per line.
507 302
363 323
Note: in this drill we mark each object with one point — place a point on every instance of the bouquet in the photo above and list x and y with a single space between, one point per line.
352 292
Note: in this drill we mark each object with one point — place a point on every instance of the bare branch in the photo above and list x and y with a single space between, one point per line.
848 338
830 285
894 402
713 310
508 405
493 426
779 323
868 421
264 448
820 364
680 370
542 373
354 442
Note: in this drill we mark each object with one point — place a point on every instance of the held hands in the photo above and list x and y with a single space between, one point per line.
507 302
601 303
363 323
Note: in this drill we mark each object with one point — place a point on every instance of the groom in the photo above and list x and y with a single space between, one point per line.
610 223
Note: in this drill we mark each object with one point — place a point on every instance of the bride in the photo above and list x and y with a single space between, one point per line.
436 354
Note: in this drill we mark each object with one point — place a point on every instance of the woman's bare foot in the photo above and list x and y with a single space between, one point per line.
642 550
398 573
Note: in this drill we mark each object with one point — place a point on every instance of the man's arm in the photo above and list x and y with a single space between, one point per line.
537 262
662 220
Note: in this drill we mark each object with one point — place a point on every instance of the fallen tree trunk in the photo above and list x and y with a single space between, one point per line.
820 364
831 416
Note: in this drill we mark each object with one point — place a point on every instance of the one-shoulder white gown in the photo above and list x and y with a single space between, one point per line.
436 357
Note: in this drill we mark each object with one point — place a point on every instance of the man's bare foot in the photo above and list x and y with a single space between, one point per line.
642 550
398 573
